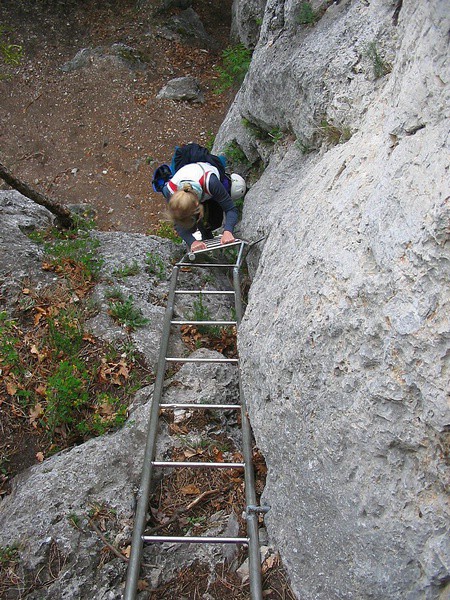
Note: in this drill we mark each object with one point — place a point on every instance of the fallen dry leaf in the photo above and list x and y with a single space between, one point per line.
142 585
11 388
35 413
269 562
41 390
190 453
40 355
40 456
190 490
87 337
105 409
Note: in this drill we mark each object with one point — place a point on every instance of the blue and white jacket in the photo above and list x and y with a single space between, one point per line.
207 177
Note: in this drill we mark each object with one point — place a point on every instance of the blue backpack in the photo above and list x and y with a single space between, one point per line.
160 177
186 155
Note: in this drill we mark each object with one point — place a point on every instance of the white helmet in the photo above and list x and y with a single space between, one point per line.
238 187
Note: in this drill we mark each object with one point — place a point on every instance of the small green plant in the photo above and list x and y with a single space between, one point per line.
65 332
202 313
125 313
334 133
235 63
10 54
4 460
74 520
165 230
9 339
194 521
306 14
38 236
115 294
379 65
67 394
235 154
127 270
80 251
209 142
305 147
8 555
155 265
275 135
272 136
111 413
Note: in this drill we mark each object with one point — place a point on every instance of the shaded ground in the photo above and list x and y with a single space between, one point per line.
95 135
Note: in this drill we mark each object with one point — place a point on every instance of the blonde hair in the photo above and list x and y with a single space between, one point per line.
184 207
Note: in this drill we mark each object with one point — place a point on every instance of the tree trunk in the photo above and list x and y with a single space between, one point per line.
64 215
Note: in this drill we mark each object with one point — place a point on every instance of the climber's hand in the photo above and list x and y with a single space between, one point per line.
198 246
227 237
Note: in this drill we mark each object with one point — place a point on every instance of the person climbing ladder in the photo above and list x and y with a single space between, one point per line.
200 195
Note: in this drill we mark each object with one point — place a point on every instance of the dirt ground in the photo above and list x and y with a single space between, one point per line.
95 135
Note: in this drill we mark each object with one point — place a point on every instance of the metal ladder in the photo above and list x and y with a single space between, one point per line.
252 510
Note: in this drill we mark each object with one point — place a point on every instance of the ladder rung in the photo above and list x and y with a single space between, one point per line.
205 406
215 243
194 540
213 292
201 360
196 465
214 265
203 323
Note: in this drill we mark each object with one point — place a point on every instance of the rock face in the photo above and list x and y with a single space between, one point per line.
247 20
345 342
20 257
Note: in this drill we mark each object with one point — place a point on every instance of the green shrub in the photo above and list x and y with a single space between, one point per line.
379 65
65 333
115 294
334 133
8 554
235 63
305 147
127 270
202 313
80 250
125 313
9 340
165 230
235 154
10 54
272 136
155 265
306 14
209 143
67 394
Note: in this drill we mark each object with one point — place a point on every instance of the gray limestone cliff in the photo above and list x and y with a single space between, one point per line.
345 342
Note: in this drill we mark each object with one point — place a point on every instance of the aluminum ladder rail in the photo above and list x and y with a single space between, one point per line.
252 510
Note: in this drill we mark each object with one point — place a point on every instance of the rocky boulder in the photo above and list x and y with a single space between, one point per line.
182 88
118 55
